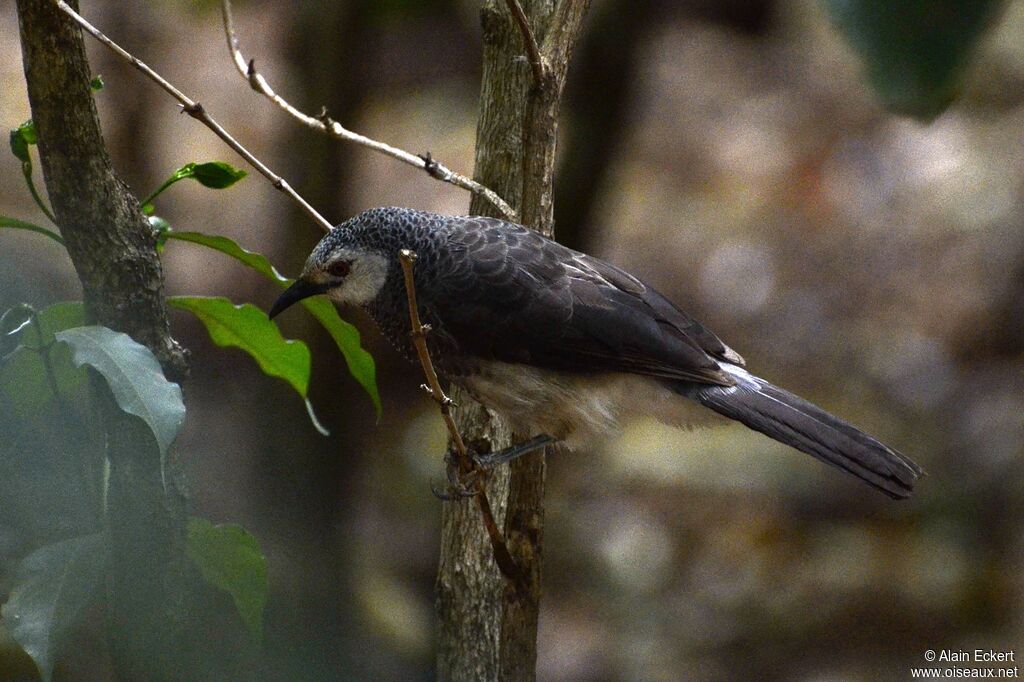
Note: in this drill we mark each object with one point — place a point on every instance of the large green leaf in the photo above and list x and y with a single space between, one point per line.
346 337
229 558
915 51
52 588
247 327
134 376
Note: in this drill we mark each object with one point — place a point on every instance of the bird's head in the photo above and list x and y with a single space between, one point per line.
342 266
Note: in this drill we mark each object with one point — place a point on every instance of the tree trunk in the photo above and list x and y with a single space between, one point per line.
487 628
112 247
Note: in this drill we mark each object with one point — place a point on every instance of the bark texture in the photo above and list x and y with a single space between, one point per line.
488 628
113 251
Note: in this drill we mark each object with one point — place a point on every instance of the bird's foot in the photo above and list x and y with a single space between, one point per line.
493 459
460 485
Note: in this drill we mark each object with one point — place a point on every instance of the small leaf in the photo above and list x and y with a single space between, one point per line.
148 209
229 558
360 363
217 174
28 131
134 376
53 587
96 84
31 227
19 146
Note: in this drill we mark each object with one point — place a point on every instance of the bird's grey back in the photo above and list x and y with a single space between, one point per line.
497 290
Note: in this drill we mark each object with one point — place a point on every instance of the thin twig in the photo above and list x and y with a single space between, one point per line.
327 125
196 111
419 339
537 61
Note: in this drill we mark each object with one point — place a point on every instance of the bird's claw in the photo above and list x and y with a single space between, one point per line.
460 485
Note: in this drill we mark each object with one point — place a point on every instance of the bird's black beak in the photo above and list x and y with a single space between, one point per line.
299 290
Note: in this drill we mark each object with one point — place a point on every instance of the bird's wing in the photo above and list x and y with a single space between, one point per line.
509 294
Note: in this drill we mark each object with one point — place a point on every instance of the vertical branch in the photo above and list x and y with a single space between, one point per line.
111 245
466 466
488 631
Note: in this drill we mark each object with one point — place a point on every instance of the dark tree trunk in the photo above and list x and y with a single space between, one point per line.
488 629
113 251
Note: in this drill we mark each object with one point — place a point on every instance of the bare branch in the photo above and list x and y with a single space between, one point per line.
538 63
325 124
419 339
196 111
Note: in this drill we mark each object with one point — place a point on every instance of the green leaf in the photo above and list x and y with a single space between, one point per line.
229 558
217 174
256 261
21 137
915 51
247 327
360 363
96 84
28 132
26 382
19 146
53 587
346 337
134 376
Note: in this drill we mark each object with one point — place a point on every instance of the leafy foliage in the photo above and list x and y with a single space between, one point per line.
360 363
54 586
247 327
915 51
229 558
134 377
52 449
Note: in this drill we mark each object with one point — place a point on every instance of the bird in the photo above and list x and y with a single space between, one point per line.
564 345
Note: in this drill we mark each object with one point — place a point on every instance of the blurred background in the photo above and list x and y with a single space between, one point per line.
731 154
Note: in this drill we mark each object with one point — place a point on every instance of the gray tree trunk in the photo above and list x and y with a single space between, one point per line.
488 629
113 250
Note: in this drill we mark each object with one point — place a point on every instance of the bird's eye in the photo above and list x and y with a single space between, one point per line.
339 268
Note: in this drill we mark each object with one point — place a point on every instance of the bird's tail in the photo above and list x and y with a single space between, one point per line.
792 420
